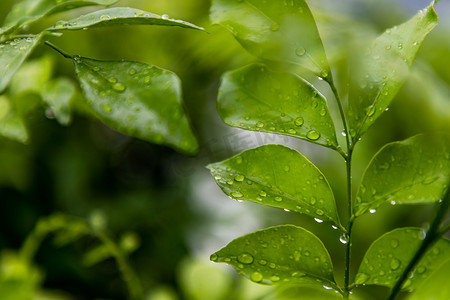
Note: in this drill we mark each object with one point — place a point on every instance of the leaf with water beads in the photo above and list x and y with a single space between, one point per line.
389 255
119 16
413 171
277 176
138 99
279 254
256 98
379 73
435 286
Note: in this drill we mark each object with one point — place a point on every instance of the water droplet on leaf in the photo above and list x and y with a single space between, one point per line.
245 258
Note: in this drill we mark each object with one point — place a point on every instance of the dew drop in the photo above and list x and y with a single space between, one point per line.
394 243
274 278
421 270
395 264
334 227
106 107
299 121
165 17
105 17
245 258
119 87
213 257
319 212
286 168
370 111
256 277
236 194
239 178
300 51
132 71
260 124
372 211
262 262
318 220
272 265
263 194
278 199
343 238
313 135
292 131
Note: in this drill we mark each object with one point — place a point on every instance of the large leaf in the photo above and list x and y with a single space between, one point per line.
390 254
279 254
276 30
414 171
136 98
12 54
277 176
435 287
119 16
11 124
58 94
255 98
381 71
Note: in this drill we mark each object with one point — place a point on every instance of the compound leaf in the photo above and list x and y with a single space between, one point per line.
274 30
141 100
381 71
256 98
277 176
58 94
389 255
413 171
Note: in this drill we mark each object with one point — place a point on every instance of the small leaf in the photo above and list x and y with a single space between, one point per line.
11 124
274 31
119 16
32 76
390 254
141 100
256 98
279 254
277 176
381 71
12 54
435 286
58 94
414 171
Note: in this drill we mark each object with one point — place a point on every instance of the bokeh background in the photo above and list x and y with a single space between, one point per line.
169 200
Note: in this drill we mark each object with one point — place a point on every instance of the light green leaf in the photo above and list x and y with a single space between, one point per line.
277 176
279 254
119 16
12 54
390 254
11 125
414 171
255 98
58 94
141 100
32 76
381 71
308 292
274 30
435 287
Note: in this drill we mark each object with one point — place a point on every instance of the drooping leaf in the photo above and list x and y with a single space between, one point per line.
58 94
381 71
255 98
11 124
12 54
414 171
279 254
141 100
119 16
389 255
277 176
434 287
274 30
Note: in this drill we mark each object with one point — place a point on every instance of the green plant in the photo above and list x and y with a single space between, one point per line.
260 97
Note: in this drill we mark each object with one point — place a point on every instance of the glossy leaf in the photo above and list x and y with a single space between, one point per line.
274 30
413 171
12 54
141 100
11 124
119 16
277 176
381 71
279 254
255 98
389 255
435 287
58 94
308 292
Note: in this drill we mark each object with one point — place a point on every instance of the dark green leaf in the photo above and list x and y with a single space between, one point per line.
277 176
275 30
381 71
389 255
255 98
58 94
119 16
414 171
435 287
279 254
12 54
11 125
136 98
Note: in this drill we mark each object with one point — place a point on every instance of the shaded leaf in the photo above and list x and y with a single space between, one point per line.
277 176
141 100
435 287
274 30
32 76
279 254
58 94
308 292
413 171
119 16
381 71
11 124
255 98
12 54
389 255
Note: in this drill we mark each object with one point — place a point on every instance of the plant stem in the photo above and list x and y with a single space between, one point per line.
63 53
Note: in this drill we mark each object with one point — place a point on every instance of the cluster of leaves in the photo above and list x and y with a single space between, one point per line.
261 97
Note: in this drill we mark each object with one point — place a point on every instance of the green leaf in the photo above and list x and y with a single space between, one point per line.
119 16
279 254
414 171
434 287
380 72
390 254
32 76
274 30
141 100
58 94
12 54
11 124
308 292
255 98
277 176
